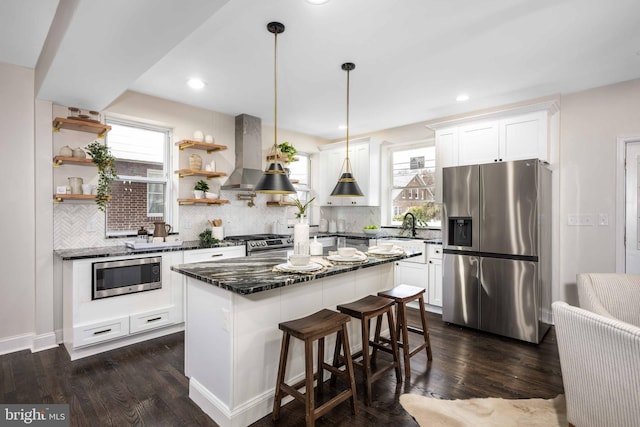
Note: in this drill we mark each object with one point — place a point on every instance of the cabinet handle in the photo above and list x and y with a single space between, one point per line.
102 332
430 262
215 255
154 319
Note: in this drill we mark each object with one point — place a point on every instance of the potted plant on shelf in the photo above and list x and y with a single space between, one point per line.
288 150
200 188
104 160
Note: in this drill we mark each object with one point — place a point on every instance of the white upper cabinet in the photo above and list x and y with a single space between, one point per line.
478 143
364 156
494 137
524 137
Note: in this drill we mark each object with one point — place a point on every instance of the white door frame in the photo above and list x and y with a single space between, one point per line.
620 200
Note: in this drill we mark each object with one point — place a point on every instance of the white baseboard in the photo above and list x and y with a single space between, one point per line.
16 343
44 342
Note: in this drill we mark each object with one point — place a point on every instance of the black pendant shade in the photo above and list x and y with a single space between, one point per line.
347 185
275 179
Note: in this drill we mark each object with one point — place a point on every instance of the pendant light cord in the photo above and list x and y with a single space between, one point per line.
348 169
275 95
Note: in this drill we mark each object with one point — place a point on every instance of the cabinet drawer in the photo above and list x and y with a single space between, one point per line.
99 332
150 320
213 254
434 251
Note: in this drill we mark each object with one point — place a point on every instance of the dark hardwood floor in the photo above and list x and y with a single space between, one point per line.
144 384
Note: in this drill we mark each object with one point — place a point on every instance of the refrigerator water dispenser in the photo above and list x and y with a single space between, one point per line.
460 232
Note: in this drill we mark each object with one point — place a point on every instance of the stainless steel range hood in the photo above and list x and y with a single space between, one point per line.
248 170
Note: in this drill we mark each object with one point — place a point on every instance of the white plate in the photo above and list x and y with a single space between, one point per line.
391 252
347 259
312 266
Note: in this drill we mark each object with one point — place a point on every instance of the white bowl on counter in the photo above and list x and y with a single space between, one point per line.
298 260
347 252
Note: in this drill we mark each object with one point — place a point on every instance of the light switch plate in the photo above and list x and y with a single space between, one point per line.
580 220
603 219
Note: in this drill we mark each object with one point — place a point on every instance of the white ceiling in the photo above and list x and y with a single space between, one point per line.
413 57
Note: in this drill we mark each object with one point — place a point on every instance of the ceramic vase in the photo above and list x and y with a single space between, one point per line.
301 237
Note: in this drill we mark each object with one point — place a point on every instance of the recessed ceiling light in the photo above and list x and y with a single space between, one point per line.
318 2
462 97
195 83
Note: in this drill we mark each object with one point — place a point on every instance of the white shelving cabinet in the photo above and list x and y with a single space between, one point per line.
364 156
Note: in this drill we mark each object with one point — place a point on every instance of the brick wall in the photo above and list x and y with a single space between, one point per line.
128 207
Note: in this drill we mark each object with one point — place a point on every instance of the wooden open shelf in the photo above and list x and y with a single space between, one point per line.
193 172
274 203
202 201
209 148
58 160
81 125
63 197
282 157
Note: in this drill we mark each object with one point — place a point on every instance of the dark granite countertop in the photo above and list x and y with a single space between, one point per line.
255 274
121 250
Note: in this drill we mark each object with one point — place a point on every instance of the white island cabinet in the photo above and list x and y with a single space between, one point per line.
232 340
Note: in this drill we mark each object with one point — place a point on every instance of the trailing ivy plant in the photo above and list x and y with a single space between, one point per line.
107 173
289 150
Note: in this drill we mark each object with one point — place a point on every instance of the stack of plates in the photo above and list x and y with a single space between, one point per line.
356 258
392 252
312 266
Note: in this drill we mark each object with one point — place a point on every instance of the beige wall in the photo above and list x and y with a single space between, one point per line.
17 216
591 122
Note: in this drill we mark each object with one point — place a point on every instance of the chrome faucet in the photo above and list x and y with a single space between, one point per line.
413 223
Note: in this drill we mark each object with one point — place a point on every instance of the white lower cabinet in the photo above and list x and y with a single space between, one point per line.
141 322
434 263
95 333
425 275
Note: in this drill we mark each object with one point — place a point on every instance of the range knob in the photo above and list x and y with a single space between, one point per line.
263 243
252 244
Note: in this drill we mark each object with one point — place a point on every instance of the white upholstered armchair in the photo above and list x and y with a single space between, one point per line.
600 362
611 294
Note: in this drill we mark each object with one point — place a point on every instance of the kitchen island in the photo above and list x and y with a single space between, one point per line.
232 340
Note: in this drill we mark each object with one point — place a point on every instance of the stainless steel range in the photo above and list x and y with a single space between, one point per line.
265 244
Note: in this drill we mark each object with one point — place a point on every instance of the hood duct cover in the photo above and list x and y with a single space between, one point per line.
248 170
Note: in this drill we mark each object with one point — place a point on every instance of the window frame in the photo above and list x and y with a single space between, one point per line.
166 179
387 191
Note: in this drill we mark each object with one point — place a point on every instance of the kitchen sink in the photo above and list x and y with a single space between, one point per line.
417 245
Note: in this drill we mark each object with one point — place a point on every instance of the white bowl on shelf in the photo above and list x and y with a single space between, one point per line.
208 195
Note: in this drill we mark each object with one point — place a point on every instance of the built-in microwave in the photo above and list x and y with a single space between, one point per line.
127 276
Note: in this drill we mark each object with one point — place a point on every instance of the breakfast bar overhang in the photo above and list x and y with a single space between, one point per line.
232 340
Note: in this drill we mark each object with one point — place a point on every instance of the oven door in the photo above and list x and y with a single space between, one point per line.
276 253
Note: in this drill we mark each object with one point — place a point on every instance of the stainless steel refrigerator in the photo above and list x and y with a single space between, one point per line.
497 247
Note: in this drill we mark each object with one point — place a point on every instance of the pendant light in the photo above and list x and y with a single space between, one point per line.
347 185
275 180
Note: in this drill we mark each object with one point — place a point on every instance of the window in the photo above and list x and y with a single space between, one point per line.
299 176
140 196
412 186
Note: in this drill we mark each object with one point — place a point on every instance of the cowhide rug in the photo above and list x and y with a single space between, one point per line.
432 412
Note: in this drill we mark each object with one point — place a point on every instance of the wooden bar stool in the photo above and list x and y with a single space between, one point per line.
315 327
365 309
402 294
